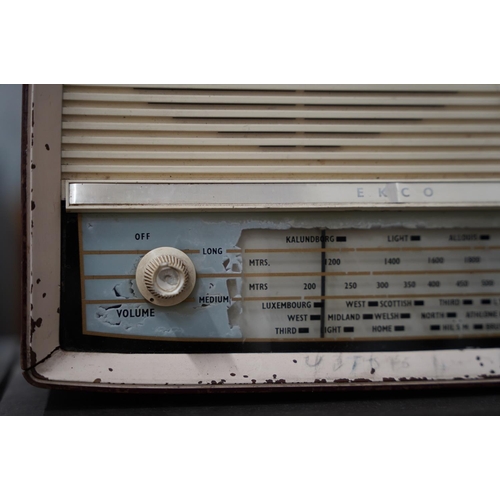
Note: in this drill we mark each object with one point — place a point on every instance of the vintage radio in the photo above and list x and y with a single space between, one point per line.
248 237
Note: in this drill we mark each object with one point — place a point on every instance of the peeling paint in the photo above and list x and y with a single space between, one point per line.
169 332
125 290
276 382
105 316
35 324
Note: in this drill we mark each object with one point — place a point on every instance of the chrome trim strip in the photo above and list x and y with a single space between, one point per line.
123 196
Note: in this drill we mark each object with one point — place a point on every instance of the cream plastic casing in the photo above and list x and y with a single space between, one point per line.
166 277
445 136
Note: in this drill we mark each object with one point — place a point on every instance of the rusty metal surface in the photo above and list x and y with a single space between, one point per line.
275 386
22 399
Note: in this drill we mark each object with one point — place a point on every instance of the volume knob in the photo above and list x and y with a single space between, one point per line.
166 277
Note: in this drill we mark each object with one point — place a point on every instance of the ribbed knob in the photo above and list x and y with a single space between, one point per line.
166 277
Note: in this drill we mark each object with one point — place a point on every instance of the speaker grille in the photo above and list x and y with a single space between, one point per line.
281 130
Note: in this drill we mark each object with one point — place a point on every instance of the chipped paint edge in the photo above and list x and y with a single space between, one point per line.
41 196
208 371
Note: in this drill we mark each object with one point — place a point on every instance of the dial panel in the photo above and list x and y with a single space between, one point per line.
298 277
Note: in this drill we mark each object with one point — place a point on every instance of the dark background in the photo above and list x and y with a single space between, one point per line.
10 228
10 206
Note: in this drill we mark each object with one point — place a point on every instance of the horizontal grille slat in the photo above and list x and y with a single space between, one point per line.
310 126
281 129
284 155
278 141
355 170
292 114
298 99
292 87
